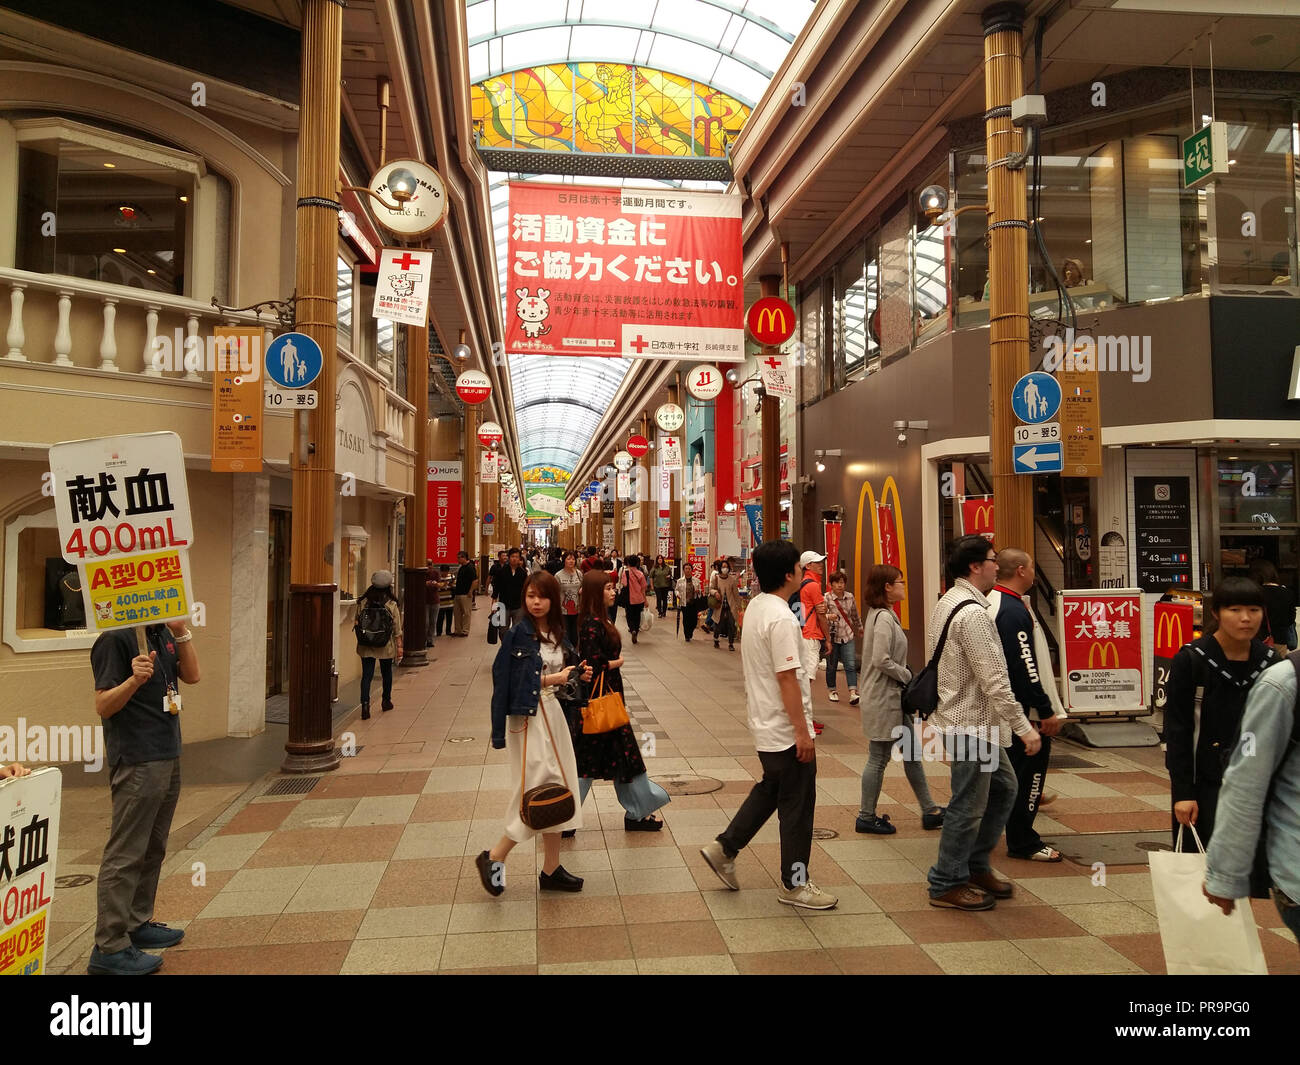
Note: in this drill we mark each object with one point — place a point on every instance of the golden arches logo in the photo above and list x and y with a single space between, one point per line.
1099 654
1169 624
888 491
771 319
983 518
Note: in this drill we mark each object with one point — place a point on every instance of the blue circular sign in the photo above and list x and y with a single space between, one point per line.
1036 397
489 518
293 360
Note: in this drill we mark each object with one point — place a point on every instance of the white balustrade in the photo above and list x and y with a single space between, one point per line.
15 337
193 348
150 335
108 342
63 332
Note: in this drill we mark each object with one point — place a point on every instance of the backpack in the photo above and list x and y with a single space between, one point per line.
374 625
796 601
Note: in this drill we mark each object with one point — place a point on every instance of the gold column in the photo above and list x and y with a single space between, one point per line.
310 744
1013 498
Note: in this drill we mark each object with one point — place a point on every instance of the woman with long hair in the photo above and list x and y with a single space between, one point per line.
529 666
885 672
570 581
612 755
378 613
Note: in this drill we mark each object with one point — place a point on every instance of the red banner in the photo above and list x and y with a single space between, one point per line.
977 517
443 541
1173 627
889 542
639 273
1101 645
832 539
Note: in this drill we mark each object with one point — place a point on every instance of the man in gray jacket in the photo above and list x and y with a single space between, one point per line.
977 716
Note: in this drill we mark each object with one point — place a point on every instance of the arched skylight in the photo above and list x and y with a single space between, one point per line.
734 45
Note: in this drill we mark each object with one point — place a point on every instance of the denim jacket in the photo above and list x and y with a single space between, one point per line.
517 677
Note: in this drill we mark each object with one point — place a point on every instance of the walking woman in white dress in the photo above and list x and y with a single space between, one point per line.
530 664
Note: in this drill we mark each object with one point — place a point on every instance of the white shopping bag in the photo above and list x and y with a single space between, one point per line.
1197 938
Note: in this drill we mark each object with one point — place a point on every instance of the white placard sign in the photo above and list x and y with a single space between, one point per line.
402 286
488 468
670 453
777 375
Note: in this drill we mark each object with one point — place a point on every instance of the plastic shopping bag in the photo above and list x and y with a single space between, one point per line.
1197 938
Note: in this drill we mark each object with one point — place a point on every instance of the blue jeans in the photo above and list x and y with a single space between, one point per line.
977 812
1288 910
639 797
873 775
845 653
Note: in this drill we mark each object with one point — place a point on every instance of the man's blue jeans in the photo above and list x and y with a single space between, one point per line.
842 654
977 812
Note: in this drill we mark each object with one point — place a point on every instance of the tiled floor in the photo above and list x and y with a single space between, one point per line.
373 870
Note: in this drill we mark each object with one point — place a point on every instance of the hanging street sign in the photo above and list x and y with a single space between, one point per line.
427 207
770 321
1036 397
1205 154
402 286
623 461
777 375
473 386
670 453
637 446
236 416
489 434
704 382
670 417
293 360
1037 458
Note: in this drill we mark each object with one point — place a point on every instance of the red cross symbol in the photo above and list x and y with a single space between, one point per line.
640 343
773 362
406 261
669 442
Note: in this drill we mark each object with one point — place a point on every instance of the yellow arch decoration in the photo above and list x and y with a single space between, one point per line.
889 489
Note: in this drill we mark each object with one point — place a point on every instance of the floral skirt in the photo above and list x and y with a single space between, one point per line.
608 755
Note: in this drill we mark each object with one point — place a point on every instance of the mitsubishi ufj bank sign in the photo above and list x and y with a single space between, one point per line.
637 273
123 510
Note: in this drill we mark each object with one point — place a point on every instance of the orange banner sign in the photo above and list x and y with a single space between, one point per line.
237 400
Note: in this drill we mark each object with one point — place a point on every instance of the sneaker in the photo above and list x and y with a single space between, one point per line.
154 935
854 699
877 826
833 696
934 820
131 961
722 865
808 897
964 897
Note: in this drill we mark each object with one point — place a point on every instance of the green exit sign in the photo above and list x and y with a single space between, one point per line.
1205 154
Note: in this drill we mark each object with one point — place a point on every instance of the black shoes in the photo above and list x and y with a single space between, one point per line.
387 704
560 880
492 874
648 825
568 833
365 711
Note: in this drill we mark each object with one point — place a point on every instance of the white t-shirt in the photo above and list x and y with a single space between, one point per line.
772 644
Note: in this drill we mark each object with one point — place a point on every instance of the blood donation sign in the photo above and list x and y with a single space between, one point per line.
639 273
123 509
29 849
1100 635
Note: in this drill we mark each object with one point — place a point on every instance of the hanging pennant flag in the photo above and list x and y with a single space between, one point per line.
670 453
776 375
488 468
402 287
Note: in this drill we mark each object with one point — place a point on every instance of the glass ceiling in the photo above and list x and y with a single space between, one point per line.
733 45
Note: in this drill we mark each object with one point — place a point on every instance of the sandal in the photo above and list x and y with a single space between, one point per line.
1043 854
648 824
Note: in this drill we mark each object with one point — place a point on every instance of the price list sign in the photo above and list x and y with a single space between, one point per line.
1163 523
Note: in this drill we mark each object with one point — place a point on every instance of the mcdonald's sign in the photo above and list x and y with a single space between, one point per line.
1103 655
770 321
888 544
977 516
1173 626
1100 636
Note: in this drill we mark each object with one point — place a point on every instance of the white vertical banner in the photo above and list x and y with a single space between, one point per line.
402 285
488 468
670 452
777 375
624 484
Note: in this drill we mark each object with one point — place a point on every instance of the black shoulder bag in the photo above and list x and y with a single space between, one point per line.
921 695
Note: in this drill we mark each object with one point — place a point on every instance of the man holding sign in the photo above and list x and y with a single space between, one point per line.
137 693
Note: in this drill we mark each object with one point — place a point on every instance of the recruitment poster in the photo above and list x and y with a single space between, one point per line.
1100 636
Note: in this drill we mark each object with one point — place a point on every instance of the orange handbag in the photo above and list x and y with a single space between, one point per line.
604 711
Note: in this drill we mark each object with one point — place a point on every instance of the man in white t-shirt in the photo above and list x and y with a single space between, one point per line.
778 696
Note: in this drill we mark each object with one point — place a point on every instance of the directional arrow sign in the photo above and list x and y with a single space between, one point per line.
1037 458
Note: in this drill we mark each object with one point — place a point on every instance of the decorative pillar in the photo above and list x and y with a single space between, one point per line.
63 331
415 623
16 337
310 746
150 368
108 342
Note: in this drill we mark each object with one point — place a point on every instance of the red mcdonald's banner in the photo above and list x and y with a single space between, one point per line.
832 530
1174 626
977 516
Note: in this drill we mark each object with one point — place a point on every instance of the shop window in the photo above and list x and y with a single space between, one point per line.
1254 205
354 579
850 290
343 291
98 205
43 606
1257 492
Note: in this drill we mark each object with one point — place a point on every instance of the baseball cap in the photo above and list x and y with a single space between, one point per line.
381 579
810 556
